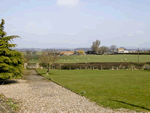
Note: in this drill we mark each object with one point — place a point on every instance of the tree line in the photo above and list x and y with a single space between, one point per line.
101 50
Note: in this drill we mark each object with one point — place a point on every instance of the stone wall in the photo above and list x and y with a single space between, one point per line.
31 65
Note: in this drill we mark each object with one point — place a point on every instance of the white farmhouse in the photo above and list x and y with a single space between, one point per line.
126 51
122 50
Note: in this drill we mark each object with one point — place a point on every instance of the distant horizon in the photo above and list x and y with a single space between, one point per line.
79 47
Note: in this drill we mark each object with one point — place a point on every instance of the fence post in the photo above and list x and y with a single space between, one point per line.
123 67
37 65
25 65
134 68
60 66
112 68
117 68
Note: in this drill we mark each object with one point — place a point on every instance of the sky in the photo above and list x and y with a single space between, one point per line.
77 23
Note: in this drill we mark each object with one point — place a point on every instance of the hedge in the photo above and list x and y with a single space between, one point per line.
132 53
99 65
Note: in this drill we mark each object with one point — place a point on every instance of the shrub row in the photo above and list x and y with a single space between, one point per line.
132 53
98 65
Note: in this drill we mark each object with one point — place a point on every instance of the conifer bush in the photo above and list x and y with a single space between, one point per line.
11 61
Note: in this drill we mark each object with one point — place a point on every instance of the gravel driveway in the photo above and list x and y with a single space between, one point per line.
39 95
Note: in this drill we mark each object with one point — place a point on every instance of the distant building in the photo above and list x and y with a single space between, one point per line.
122 50
126 51
66 52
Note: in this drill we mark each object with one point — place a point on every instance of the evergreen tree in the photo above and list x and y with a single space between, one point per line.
11 61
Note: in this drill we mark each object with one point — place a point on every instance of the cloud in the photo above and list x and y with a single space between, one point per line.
140 32
136 33
31 24
130 34
15 30
67 2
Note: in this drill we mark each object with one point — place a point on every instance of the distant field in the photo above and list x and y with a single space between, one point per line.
38 53
99 58
110 88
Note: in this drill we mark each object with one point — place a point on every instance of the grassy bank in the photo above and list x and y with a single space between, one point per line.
110 88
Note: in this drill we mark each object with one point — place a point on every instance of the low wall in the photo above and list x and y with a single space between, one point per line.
31 65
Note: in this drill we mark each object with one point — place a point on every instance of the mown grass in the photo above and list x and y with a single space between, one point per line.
109 88
99 58
38 53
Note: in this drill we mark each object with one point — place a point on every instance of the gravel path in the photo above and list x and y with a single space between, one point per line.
38 95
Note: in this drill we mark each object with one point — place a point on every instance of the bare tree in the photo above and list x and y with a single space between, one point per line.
103 49
28 52
113 47
34 52
27 58
48 58
95 46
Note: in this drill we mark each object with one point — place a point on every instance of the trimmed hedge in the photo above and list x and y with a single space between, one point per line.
96 65
99 65
132 53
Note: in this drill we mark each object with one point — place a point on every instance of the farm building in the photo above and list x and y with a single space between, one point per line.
122 50
66 52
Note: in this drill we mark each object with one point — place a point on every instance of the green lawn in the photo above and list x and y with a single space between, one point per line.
110 88
99 58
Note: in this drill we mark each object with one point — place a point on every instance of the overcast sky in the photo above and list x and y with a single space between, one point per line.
77 23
